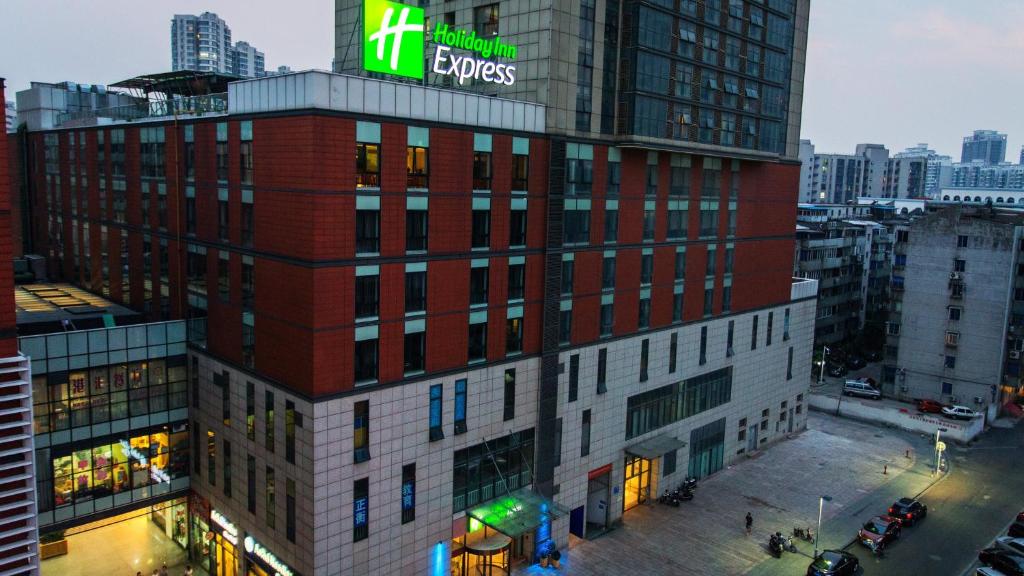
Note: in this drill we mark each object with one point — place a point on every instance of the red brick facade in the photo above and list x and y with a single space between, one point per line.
304 242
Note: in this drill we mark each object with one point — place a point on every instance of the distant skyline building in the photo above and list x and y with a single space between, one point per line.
203 43
200 43
936 171
841 178
247 61
11 115
986 145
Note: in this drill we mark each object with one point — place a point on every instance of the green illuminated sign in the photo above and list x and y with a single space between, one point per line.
393 38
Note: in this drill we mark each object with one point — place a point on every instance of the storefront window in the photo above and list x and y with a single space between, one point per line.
130 463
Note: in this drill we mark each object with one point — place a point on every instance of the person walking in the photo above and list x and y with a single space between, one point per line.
163 571
188 570
750 523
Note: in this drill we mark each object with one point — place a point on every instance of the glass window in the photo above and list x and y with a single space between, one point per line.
367 165
367 231
415 230
481 170
517 228
417 166
367 296
366 360
611 225
479 279
513 335
460 406
516 281
478 342
481 233
509 411
436 396
415 292
608 272
415 351
520 172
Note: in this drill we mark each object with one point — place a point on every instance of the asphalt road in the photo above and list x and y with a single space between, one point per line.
967 510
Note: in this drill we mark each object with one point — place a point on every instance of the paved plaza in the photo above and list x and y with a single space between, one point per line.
863 467
127 547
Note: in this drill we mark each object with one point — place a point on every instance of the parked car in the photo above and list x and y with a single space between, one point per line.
854 362
1006 562
908 511
1016 530
834 563
1011 544
837 370
987 571
930 406
879 532
861 387
959 412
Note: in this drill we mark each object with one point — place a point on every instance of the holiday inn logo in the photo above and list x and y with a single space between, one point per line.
393 38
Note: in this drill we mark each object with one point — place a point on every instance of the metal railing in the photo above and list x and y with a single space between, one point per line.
189 106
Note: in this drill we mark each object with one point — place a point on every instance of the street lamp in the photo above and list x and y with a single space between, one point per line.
821 504
821 373
938 450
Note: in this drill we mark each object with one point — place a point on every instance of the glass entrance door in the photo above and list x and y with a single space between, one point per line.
227 561
638 482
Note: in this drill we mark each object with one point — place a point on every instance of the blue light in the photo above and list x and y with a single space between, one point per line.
439 561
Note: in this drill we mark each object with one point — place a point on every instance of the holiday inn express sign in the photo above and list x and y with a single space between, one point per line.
394 40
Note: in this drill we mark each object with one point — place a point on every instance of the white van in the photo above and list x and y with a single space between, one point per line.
861 388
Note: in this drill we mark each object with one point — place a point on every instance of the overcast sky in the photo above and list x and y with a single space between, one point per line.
895 72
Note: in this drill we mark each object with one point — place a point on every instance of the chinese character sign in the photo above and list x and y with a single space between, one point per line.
359 516
408 495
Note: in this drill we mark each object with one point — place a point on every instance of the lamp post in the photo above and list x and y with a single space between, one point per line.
821 504
938 453
821 373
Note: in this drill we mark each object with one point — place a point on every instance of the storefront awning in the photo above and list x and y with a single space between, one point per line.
655 447
516 513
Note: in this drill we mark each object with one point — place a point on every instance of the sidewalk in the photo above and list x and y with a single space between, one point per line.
780 486
840 530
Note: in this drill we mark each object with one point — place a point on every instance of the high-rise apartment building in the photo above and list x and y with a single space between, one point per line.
988 146
201 43
247 61
841 178
431 322
917 172
955 332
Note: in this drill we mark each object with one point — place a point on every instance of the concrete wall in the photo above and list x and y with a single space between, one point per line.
905 418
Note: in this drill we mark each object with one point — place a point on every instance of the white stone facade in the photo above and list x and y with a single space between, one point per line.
324 470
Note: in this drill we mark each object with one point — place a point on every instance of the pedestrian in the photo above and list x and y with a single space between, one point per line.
750 523
188 570
163 570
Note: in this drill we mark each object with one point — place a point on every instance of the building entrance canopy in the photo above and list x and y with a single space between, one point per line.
655 447
517 513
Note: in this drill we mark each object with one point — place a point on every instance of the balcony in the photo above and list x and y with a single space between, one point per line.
803 288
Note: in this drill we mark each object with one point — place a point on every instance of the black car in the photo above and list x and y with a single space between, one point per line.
1006 562
837 370
855 362
834 563
908 510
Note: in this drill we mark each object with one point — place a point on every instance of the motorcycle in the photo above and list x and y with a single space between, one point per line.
669 498
804 535
689 483
775 546
790 546
683 495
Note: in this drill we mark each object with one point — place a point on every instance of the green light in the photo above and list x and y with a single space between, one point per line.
474 525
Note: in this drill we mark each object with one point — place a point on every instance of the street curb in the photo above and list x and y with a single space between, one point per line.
949 466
